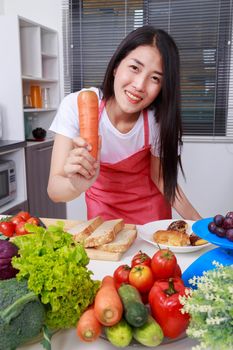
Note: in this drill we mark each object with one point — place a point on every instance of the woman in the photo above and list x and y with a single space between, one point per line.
135 176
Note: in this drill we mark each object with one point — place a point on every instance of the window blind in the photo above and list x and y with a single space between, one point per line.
202 29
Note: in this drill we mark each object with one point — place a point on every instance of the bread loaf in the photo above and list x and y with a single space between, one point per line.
123 240
85 229
104 233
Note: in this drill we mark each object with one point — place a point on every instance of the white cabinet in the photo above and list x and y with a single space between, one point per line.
29 56
39 67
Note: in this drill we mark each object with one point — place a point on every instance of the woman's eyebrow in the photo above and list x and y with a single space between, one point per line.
141 64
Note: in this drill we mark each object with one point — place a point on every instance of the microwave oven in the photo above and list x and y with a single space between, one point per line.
7 181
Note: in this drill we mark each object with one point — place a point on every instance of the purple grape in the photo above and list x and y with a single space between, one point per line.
229 234
218 220
227 223
229 215
220 231
212 227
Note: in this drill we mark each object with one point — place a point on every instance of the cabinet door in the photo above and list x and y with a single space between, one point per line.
38 166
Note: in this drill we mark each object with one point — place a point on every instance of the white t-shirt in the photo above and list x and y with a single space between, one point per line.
115 145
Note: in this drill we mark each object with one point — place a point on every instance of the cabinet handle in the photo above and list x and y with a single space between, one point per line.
44 149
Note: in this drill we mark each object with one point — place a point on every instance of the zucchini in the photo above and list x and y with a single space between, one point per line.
135 312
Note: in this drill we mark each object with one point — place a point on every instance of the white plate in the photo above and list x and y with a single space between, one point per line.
146 231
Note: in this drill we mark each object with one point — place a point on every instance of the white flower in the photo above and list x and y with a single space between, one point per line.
210 306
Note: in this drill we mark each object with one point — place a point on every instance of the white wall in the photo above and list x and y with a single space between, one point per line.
1 7
208 166
209 176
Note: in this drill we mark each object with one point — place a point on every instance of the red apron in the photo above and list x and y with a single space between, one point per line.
125 189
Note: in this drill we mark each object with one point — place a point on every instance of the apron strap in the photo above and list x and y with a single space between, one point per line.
101 108
146 127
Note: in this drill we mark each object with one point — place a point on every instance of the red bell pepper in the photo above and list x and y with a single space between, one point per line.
165 306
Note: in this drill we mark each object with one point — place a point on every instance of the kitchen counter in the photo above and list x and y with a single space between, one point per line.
46 141
8 145
67 339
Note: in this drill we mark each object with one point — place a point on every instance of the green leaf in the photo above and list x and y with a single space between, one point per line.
47 334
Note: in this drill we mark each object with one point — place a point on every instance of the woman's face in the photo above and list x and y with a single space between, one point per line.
138 79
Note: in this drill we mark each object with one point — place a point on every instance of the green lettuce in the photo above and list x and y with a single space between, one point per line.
56 268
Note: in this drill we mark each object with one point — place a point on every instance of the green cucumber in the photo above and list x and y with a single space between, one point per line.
120 334
135 312
150 334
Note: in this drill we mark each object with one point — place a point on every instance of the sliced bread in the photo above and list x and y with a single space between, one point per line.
85 229
104 233
123 240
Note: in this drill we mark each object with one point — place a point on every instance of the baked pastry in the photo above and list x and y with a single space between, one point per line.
171 237
196 240
178 225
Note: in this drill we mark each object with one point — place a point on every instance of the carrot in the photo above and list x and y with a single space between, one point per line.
88 327
108 306
88 107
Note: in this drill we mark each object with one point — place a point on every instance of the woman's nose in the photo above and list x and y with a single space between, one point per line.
139 83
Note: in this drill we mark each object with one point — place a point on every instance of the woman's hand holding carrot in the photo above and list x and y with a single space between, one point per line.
80 166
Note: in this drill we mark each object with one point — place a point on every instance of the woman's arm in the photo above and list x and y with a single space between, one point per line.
73 170
181 203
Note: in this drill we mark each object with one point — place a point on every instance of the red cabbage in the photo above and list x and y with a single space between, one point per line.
7 251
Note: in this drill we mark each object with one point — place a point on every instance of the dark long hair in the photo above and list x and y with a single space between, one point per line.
166 104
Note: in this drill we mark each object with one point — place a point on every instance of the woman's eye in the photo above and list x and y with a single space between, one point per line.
156 80
134 68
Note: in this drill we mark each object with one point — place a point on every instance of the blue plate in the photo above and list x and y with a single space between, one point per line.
205 263
200 227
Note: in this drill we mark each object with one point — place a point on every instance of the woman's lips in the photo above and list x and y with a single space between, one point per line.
133 98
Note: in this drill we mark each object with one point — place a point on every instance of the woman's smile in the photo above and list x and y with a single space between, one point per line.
132 97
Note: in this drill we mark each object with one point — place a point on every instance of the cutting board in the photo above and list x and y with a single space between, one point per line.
92 253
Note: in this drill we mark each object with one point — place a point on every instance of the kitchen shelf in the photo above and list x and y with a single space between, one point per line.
47 55
38 79
39 110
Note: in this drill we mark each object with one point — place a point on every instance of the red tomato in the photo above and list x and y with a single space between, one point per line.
142 278
20 229
141 259
32 220
163 264
17 219
177 271
121 275
7 228
24 214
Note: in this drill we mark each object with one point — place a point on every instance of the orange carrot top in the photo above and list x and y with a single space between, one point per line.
88 107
